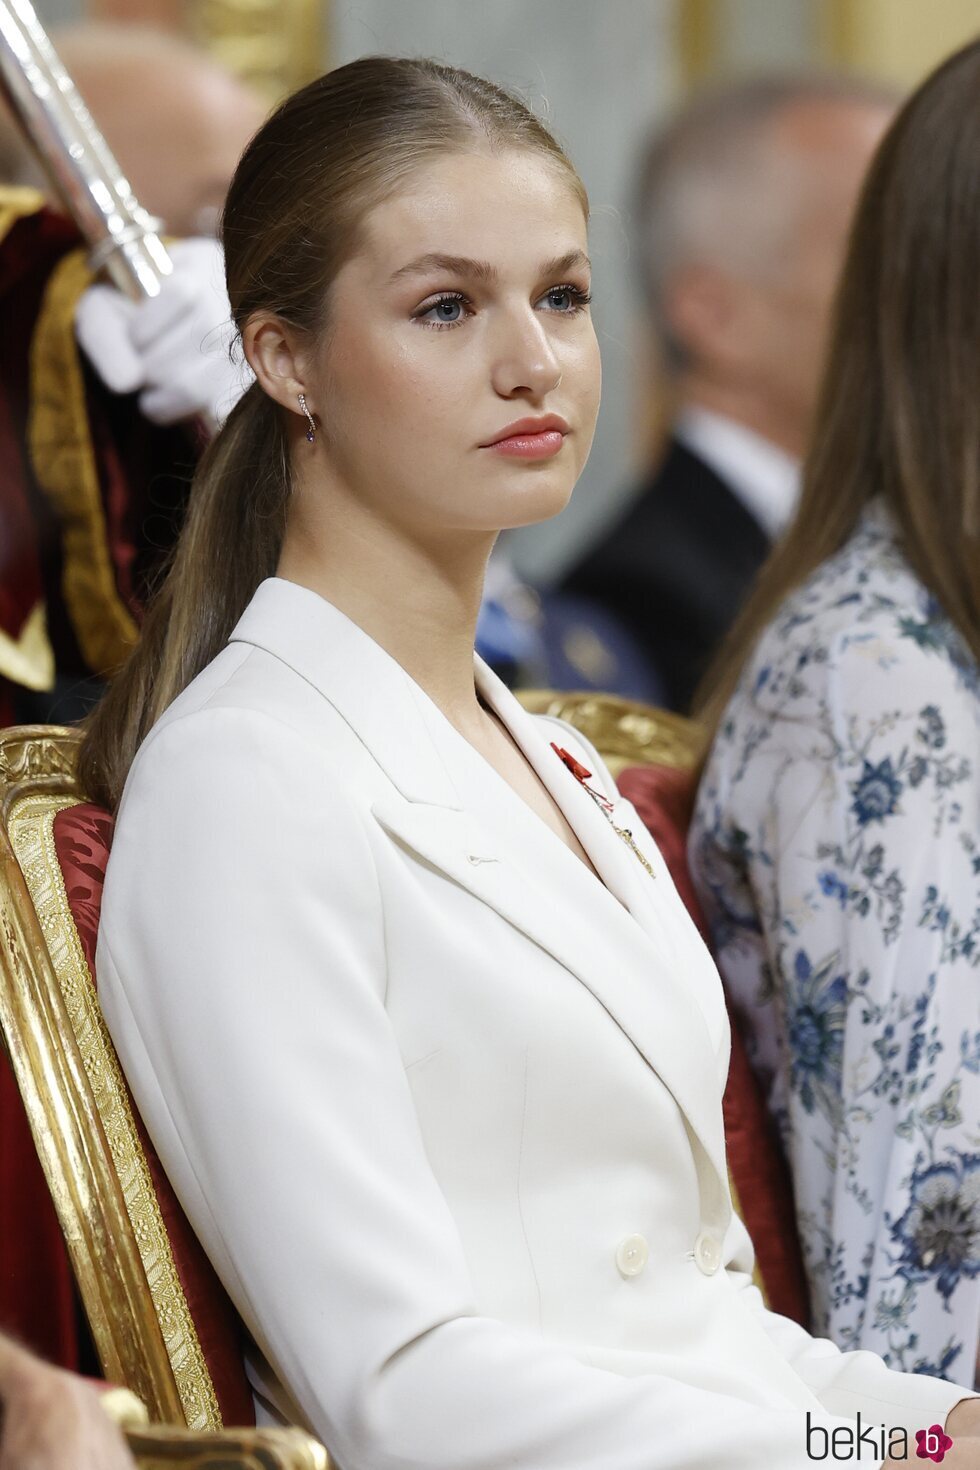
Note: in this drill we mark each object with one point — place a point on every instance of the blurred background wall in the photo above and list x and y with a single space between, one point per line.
602 71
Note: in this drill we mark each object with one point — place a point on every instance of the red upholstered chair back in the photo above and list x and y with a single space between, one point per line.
162 1324
82 837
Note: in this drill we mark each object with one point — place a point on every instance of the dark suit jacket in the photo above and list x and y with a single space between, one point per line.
676 568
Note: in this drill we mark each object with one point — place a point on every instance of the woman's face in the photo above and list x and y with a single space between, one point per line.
457 384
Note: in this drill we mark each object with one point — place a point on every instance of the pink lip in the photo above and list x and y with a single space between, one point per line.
531 438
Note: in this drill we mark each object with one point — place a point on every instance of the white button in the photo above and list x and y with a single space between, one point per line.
632 1255
707 1253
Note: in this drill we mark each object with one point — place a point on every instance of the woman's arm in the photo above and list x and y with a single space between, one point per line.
839 858
243 969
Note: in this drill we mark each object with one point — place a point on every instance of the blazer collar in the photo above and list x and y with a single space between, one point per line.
609 936
366 686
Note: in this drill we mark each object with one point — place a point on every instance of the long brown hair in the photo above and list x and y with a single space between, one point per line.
899 409
291 220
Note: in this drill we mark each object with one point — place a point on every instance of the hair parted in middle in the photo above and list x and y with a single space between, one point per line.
292 218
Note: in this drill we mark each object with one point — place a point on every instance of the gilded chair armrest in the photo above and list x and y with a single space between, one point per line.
161 1447
123 1407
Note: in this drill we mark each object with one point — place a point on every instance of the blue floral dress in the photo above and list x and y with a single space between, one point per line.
836 848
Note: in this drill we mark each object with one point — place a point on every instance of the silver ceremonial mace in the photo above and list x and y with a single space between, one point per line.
122 236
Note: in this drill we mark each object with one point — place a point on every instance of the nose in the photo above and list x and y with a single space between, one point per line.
524 360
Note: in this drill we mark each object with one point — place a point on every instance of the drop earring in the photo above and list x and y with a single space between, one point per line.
311 431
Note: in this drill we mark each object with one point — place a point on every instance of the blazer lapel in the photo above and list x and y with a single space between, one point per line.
612 938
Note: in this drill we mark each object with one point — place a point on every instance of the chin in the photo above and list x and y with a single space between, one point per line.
538 494
532 507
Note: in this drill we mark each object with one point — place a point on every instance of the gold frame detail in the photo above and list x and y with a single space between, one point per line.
157 1448
697 33
30 830
60 445
83 1128
276 45
623 731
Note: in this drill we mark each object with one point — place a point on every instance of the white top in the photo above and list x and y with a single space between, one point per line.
443 1108
763 477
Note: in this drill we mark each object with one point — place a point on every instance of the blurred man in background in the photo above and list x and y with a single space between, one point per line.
175 119
743 209
104 406
75 565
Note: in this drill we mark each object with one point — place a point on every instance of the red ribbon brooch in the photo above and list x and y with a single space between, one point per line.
582 777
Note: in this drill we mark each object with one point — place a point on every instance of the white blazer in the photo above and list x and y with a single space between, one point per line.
444 1109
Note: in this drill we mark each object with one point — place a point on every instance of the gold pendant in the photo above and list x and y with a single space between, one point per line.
627 837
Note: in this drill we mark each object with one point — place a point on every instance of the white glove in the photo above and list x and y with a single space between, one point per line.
174 350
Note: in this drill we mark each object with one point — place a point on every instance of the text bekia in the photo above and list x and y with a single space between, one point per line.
850 1441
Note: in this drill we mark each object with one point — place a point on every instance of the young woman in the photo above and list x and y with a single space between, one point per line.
423 1034
837 834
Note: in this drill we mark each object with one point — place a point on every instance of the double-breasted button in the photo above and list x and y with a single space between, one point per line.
707 1252
632 1255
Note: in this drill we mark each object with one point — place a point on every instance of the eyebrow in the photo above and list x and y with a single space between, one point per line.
482 270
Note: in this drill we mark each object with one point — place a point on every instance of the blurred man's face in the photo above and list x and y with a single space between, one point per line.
177 133
789 312
755 320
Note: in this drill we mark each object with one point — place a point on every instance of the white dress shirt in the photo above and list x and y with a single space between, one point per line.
764 478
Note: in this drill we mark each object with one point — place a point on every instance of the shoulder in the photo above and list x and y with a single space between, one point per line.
248 741
231 798
858 672
861 632
248 695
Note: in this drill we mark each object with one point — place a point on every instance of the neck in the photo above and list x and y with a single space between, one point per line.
419 599
762 414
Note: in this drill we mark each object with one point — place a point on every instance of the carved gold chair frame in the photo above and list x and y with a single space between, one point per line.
82 1125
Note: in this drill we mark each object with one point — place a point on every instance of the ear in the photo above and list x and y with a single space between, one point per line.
277 354
702 308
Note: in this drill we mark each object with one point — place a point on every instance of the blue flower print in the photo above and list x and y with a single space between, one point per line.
815 1026
940 1231
876 793
932 731
836 849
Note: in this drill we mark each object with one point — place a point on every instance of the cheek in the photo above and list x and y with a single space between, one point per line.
404 384
584 377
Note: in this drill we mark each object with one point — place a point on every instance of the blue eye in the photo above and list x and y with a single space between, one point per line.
446 312
567 299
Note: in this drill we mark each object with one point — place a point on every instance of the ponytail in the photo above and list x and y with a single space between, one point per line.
230 542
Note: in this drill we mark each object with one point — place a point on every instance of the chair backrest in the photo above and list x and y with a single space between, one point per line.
625 732
161 1322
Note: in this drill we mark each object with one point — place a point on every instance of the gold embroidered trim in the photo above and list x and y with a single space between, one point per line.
29 659
60 445
31 831
15 203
